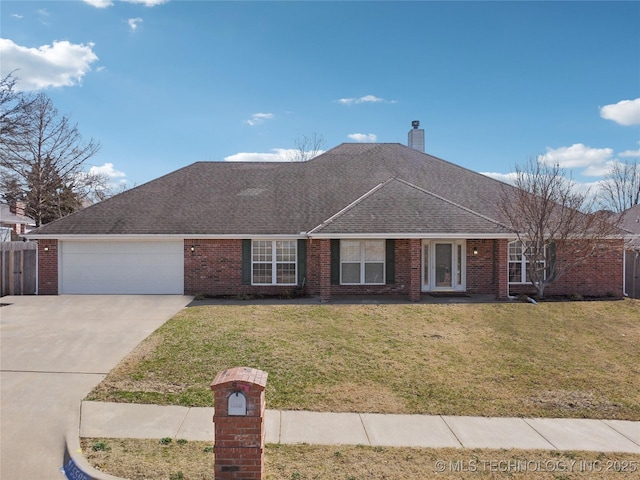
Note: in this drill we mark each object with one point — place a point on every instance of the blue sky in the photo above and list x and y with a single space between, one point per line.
162 84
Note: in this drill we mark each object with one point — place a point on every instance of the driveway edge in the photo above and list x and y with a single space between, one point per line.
75 466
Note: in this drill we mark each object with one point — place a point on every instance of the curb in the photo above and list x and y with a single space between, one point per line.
75 466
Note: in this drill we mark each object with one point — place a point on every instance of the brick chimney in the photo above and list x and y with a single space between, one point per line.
416 136
19 208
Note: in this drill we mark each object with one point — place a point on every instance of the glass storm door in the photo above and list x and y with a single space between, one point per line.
443 266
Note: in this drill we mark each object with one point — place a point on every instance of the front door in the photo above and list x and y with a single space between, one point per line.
443 264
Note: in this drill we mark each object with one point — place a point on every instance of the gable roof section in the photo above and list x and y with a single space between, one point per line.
630 219
398 207
9 218
428 195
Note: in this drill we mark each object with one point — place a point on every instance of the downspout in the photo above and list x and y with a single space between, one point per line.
624 272
37 268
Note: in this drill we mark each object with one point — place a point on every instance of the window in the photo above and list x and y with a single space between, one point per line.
362 262
519 268
273 262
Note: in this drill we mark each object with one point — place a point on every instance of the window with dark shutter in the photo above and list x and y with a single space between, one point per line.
246 262
390 260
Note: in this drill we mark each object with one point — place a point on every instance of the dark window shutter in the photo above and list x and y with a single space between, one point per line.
246 262
390 259
302 262
551 262
335 261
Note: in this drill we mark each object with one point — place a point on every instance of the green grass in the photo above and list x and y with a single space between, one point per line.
566 359
137 459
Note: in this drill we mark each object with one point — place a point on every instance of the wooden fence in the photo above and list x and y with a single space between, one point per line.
18 262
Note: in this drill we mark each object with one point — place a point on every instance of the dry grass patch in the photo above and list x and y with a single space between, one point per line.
151 459
570 359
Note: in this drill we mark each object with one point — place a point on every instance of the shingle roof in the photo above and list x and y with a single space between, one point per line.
408 191
9 218
398 206
630 219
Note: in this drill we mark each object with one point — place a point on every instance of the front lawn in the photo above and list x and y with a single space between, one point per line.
179 460
564 359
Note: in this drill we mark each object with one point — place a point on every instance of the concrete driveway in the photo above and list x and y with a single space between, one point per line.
53 351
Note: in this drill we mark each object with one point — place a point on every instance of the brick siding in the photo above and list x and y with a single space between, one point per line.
214 268
48 267
483 268
599 276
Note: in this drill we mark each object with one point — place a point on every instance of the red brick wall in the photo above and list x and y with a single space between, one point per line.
599 276
483 267
47 267
318 253
479 266
215 266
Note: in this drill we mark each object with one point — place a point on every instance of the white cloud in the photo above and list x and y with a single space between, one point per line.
107 170
17 15
111 180
503 177
276 155
578 156
99 3
365 99
147 3
599 170
133 23
258 118
59 65
363 137
630 153
109 3
625 112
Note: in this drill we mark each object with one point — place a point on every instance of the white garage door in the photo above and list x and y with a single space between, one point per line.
121 267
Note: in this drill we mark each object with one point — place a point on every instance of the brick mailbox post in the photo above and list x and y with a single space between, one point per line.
240 404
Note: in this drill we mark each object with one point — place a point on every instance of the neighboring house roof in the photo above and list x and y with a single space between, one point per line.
351 189
630 220
9 218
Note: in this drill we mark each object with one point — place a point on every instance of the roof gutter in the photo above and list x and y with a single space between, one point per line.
244 236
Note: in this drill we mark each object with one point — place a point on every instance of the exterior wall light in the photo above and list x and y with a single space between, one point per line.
46 249
475 250
193 248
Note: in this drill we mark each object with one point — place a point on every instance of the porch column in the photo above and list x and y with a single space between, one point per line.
324 253
501 249
415 268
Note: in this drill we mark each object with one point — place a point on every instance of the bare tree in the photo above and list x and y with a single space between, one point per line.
620 190
308 147
42 163
555 223
13 109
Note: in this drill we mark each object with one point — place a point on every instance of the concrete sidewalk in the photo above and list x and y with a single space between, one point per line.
120 420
